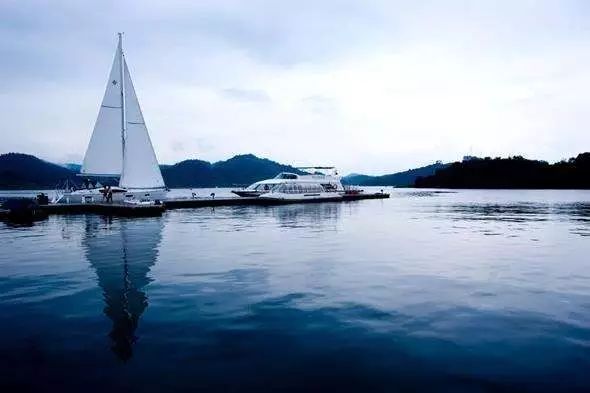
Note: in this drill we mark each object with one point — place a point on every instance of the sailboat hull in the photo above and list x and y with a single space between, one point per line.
159 194
120 195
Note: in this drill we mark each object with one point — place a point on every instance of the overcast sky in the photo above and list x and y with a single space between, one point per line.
369 86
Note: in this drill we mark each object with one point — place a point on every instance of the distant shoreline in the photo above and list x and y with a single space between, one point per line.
25 172
513 173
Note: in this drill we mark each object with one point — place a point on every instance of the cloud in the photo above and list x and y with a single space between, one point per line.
246 95
372 86
320 104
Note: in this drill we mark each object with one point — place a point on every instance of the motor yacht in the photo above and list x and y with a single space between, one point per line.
313 183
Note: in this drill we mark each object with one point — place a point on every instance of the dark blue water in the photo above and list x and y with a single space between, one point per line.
474 291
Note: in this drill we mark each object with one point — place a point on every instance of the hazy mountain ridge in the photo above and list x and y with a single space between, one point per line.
73 167
400 179
29 172
24 171
240 170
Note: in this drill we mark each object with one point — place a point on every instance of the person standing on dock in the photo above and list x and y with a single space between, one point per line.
109 194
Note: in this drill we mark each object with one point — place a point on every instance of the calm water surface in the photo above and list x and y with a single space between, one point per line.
470 291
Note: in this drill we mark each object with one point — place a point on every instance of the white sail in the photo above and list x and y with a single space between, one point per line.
140 165
104 156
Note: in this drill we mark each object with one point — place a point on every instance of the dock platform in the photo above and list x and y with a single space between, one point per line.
108 209
189 203
130 210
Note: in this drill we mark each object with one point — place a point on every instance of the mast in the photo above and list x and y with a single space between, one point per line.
122 88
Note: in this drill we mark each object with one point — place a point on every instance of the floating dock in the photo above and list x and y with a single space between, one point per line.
191 203
131 210
107 209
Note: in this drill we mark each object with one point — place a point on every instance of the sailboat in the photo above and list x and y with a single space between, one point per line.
120 146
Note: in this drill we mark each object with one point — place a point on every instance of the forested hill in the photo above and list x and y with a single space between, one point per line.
241 170
512 173
23 171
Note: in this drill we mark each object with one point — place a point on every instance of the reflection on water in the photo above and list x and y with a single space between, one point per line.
471 291
578 212
522 211
122 257
308 214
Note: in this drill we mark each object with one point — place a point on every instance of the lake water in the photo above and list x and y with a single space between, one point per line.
468 291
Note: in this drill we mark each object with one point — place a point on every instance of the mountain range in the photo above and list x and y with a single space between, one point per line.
22 171
241 170
400 179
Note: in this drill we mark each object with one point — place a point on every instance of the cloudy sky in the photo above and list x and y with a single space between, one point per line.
369 86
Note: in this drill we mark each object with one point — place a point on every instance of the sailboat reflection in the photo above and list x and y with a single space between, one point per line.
122 254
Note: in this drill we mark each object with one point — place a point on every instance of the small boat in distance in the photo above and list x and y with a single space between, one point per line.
314 184
120 146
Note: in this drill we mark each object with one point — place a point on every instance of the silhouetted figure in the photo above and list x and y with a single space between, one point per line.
109 195
42 199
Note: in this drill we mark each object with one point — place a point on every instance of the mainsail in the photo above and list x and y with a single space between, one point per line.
104 155
120 145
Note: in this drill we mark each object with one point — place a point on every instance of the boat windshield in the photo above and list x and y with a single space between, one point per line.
259 187
285 175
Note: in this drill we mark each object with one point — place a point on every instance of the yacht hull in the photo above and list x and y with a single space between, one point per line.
280 197
247 193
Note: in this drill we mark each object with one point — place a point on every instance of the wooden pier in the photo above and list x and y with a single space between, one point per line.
131 210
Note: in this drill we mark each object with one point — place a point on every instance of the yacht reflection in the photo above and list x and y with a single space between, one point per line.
122 254
307 214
